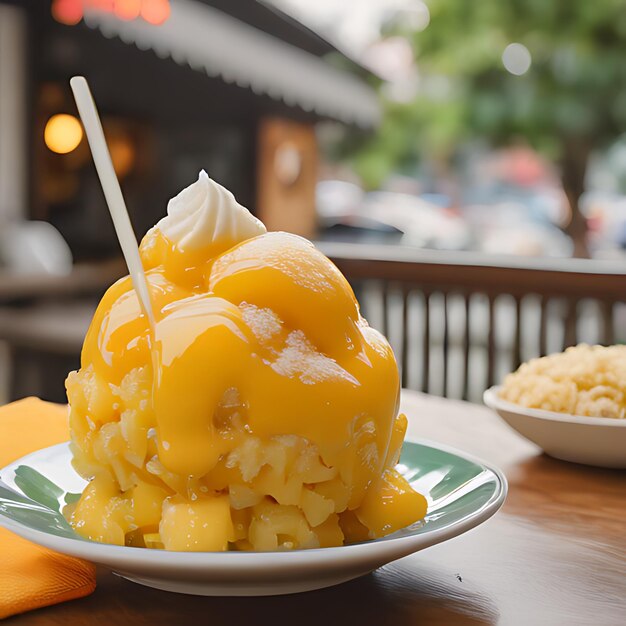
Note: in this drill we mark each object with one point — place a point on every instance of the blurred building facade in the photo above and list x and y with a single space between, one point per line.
231 86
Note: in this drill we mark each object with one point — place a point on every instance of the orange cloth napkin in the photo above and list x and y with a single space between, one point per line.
32 576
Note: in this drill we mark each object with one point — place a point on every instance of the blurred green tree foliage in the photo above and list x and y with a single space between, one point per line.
571 101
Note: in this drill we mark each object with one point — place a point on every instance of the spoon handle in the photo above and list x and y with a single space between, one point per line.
112 191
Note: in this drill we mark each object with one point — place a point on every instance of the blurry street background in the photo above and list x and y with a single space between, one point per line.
403 136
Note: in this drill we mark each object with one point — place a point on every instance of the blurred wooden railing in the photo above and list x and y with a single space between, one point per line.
43 320
459 321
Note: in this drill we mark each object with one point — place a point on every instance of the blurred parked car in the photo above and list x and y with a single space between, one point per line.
347 213
511 228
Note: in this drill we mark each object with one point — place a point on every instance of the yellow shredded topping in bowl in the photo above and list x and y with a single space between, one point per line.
582 380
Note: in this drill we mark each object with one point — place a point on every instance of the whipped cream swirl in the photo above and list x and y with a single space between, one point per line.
206 214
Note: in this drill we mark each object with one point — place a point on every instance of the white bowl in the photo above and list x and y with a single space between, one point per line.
599 441
462 493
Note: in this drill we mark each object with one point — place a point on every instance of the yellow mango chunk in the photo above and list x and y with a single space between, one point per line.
100 514
398 432
202 526
147 502
329 534
352 529
316 508
279 527
390 504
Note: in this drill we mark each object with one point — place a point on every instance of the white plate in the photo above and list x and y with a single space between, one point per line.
599 441
462 493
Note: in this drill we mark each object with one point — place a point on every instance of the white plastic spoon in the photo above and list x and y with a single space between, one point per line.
112 191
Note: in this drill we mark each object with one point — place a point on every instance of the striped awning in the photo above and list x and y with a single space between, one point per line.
219 45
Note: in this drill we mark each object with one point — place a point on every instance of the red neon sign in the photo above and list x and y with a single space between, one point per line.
70 12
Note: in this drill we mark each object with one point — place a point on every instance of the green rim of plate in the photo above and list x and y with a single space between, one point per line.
34 489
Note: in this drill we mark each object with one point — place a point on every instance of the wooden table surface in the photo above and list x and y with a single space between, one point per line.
555 554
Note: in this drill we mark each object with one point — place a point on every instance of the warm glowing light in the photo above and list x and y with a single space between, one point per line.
155 11
68 12
63 133
516 59
127 9
122 155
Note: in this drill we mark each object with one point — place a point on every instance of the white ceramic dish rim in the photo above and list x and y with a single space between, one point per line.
491 398
233 561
